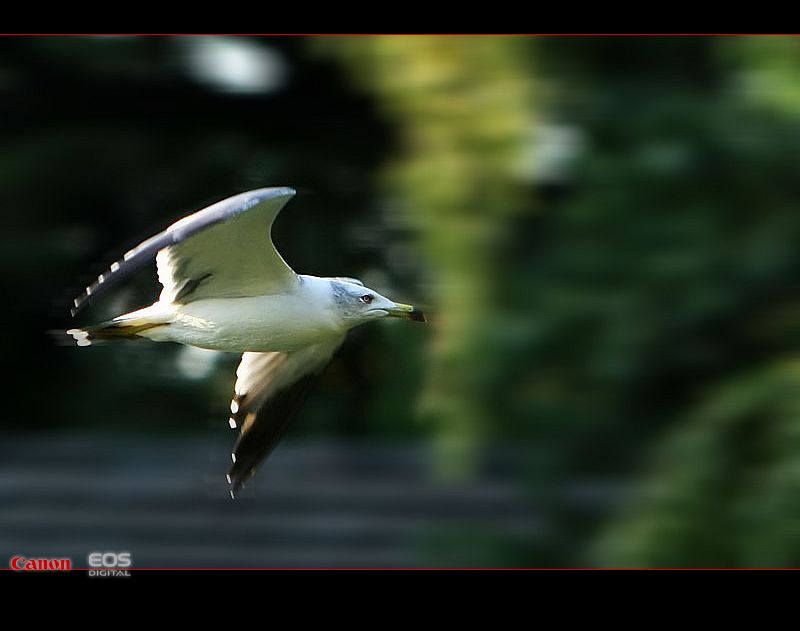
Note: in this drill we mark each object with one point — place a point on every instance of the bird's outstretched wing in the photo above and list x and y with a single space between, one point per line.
270 390
223 251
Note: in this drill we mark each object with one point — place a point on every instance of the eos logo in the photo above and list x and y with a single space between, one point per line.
110 562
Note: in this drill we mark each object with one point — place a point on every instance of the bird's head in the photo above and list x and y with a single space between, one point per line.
359 304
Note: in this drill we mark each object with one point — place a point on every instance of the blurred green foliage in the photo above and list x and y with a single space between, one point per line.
724 490
462 106
606 230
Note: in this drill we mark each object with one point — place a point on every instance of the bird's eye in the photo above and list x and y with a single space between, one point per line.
367 298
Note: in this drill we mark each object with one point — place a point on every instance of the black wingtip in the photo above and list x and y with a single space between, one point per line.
260 433
77 304
234 485
237 476
237 484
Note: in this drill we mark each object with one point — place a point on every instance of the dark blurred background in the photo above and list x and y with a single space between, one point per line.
605 231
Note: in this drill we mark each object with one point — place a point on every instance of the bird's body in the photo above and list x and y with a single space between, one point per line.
226 288
280 322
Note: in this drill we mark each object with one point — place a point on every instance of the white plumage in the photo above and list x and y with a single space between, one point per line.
237 251
226 288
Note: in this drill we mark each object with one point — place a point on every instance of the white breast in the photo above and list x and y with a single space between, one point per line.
284 322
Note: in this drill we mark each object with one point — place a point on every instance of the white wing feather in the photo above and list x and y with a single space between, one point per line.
222 251
230 259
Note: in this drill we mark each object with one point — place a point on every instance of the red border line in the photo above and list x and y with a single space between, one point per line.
399 34
407 569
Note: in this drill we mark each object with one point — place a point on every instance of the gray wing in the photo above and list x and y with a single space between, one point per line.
222 251
270 390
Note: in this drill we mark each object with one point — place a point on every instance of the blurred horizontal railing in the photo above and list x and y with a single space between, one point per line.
165 499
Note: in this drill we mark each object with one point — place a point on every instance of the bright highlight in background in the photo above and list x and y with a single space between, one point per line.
234 64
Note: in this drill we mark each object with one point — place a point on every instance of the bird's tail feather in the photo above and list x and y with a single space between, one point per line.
111 330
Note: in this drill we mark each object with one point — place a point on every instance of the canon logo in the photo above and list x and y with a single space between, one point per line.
20 563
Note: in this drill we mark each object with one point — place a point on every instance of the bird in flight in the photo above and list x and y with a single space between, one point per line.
226 288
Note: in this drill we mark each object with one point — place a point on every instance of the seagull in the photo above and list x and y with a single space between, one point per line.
226 288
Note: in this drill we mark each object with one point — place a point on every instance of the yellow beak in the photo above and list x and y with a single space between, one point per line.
407 312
